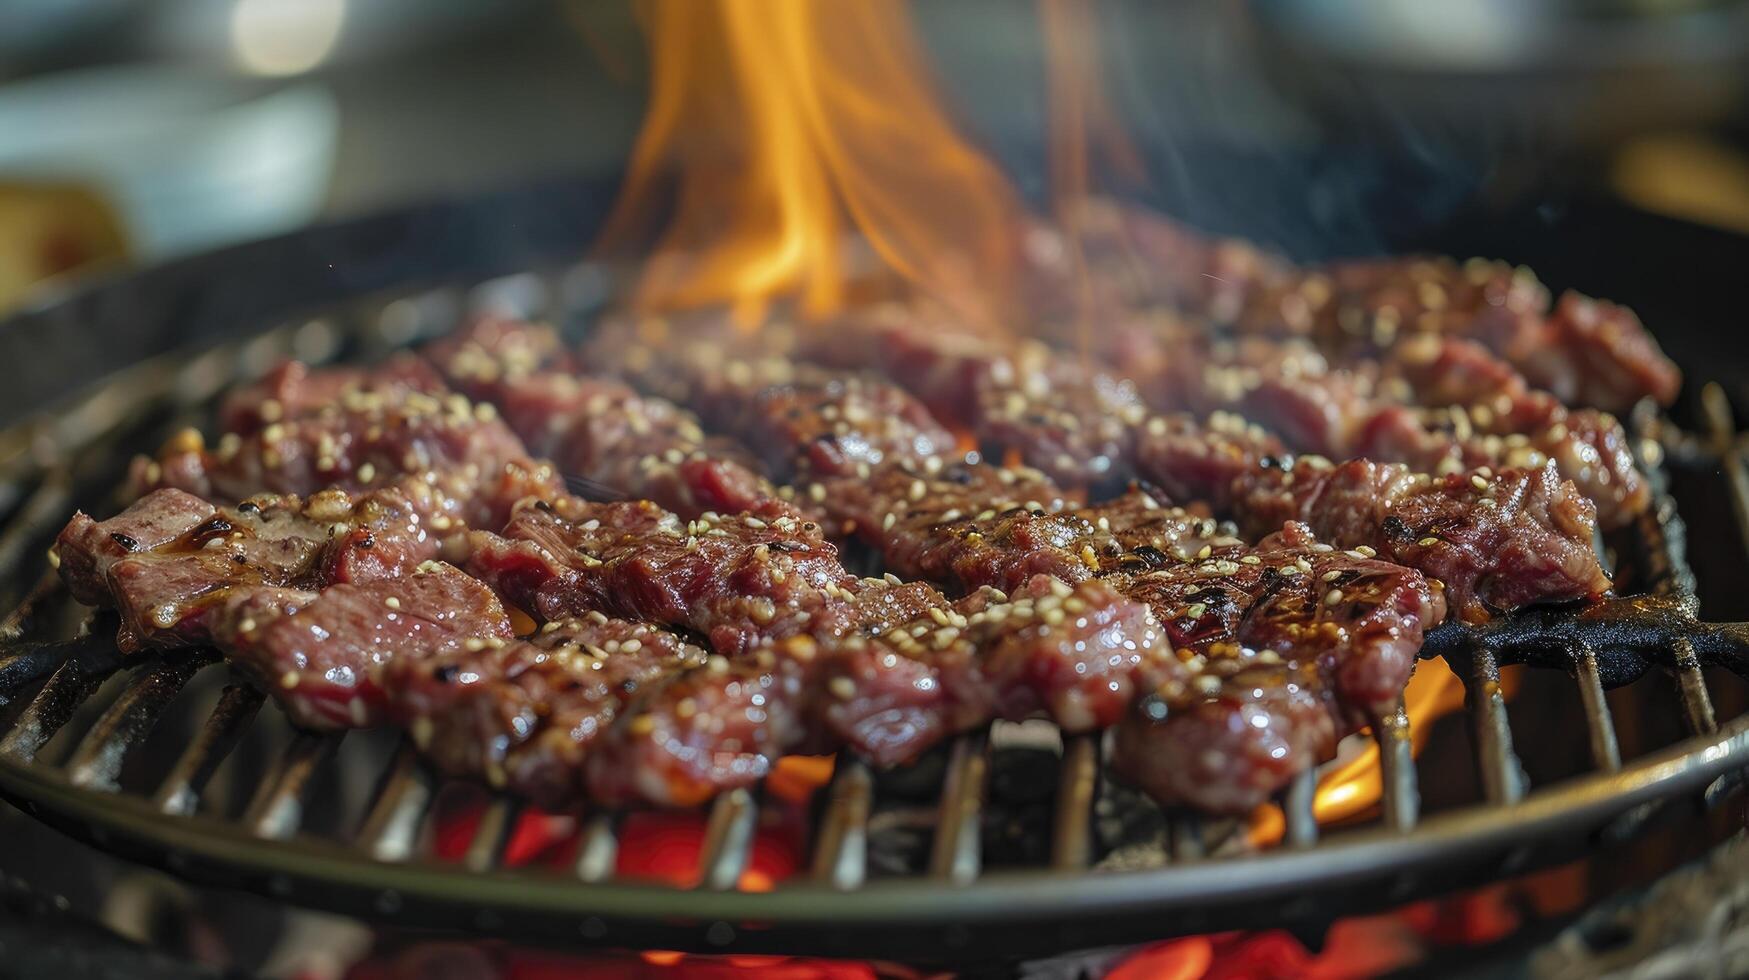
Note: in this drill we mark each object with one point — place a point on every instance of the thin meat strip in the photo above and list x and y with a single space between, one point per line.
525 715
311 597
598 429
455 460
1497 541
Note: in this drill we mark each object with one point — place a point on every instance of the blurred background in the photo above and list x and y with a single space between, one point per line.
135 131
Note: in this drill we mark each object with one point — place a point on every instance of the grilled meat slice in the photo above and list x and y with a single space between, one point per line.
1594 352
740 581
839 426
309 596
294 390
1501 540
898 509
1017 397
1194 460
805 422
598 429
1497 542
1582 350
456 460
704 731
170 559
491 356
526 714
1294 644
321 653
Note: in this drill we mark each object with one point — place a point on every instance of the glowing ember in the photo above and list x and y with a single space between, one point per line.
785 124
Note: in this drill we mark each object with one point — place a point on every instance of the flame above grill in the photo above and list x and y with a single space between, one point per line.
783 126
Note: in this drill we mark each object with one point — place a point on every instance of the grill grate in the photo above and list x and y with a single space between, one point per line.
377 866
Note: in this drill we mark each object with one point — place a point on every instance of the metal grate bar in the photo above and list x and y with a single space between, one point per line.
29 661
1605 752
74 681
728 840
96 762
1401 796
486 850
1716 407
278 807
23 616
1297 809
956 853
598 854
390 831
1077 788
1502 778
841 853
42 512
179 794
1697 704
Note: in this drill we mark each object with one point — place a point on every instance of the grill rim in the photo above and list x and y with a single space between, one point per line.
1067 906
211 851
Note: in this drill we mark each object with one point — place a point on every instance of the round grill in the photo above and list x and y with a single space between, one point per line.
164 760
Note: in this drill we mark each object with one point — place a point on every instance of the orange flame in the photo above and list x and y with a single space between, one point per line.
784 125
1354 787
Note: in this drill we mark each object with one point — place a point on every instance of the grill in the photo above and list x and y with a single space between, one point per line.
338 822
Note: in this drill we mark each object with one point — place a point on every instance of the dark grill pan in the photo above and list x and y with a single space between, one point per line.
339 822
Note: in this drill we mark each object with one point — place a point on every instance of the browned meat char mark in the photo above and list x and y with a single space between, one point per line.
525 715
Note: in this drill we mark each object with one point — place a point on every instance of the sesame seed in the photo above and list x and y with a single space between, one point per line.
843 688
1428 541
1332 597
1251 560
392 602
